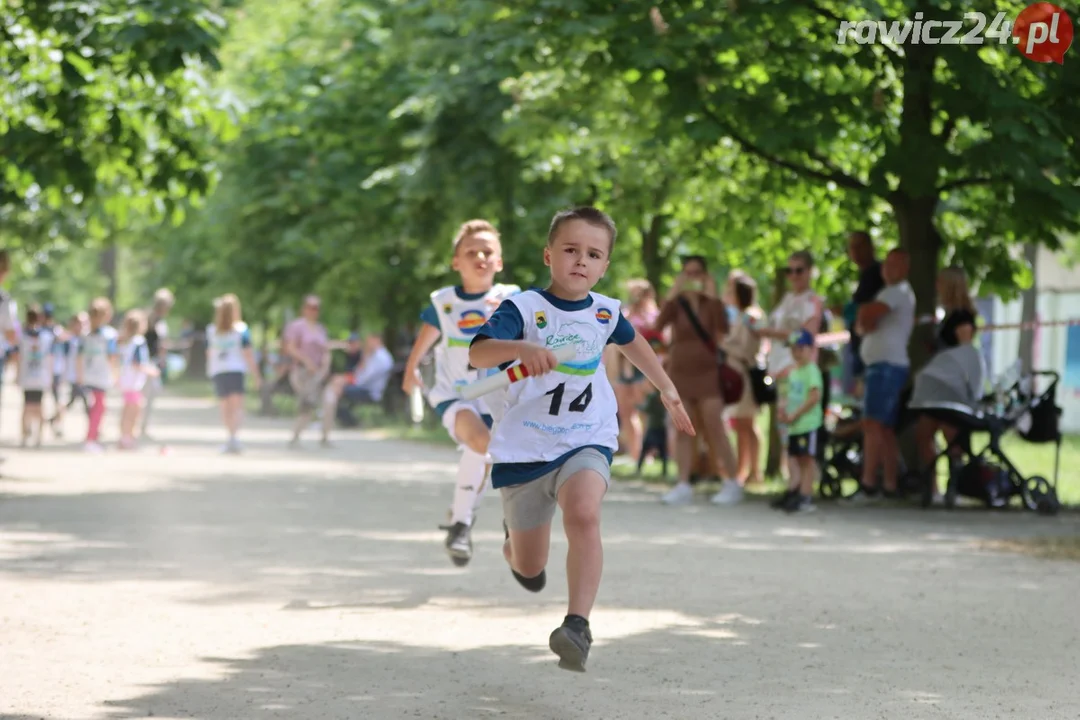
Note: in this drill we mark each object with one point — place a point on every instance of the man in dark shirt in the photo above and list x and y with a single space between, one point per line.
861 252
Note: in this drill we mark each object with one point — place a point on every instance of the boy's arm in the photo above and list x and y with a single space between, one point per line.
813 398
425 340
500 342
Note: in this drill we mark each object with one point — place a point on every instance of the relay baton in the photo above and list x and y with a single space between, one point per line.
510 375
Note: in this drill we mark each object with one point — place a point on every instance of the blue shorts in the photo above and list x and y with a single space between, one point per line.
883 386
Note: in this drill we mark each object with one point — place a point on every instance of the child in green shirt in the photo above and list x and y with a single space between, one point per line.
804 417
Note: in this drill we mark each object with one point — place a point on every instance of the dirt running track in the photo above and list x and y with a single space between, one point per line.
312 584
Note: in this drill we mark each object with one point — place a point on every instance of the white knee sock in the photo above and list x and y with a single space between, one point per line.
471 477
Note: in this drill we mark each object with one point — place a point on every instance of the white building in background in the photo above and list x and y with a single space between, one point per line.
1057 347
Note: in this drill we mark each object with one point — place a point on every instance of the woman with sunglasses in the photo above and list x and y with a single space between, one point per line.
799 308
308 346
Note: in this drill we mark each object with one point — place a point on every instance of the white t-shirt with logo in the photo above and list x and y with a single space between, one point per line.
888 343
35 360
97 350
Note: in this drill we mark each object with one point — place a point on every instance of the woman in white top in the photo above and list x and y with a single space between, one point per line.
228 355
136 366
800 308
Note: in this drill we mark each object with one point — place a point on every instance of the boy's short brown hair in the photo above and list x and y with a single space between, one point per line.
472 227
745 291
585 213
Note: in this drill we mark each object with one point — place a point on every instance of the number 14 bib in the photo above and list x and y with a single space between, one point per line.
573 406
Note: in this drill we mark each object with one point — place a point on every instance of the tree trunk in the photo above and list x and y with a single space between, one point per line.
107 265
1028 311
196 365
915 218
651 257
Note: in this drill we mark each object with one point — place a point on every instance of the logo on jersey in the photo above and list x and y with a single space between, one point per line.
541 319
471 321
448 308
603 316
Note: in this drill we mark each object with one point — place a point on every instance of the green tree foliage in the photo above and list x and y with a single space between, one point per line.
103 98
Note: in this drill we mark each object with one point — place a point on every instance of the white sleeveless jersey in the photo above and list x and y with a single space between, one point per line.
459 321
546 417
95 351
225 350
133 353
36 360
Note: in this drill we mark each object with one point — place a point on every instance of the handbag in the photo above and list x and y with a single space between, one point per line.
762 385
731 382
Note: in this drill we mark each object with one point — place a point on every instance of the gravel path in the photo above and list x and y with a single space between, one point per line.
313 584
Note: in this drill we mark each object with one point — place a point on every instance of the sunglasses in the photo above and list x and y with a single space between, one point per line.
794 270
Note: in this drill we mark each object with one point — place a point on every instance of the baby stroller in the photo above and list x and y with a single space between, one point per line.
989 475
842 453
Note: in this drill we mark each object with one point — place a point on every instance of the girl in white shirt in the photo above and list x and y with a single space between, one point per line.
96 366
136 366
229 356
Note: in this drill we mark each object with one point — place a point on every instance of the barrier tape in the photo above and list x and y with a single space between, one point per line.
843 336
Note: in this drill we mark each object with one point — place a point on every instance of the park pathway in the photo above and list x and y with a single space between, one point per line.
312 584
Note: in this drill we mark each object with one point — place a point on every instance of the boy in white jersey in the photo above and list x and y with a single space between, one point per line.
35 372
452 319
558 429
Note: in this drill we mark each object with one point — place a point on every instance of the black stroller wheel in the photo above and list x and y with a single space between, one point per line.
1039 494
829 486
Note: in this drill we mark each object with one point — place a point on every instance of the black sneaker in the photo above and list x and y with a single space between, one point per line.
781 502
571 642
533 584
800 504
458 543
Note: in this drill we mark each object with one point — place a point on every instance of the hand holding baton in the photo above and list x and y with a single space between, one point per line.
510 375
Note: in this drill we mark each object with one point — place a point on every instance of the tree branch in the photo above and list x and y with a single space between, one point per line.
947 129
831 174
969 181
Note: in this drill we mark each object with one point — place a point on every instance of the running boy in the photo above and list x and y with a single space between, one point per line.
452 319
35 355
558 428
804 417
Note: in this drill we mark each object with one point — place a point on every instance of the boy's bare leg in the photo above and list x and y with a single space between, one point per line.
580 499
807 475
527 550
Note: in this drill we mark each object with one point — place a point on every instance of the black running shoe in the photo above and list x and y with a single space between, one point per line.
458 543
533 584
781 502
571 642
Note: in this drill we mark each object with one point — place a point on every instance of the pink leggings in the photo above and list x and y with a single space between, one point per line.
97 412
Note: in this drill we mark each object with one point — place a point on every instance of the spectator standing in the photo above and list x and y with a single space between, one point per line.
804 416
157 333
9 337
629 383
742 346
693 368
799 309
308 347
885 324
861 252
